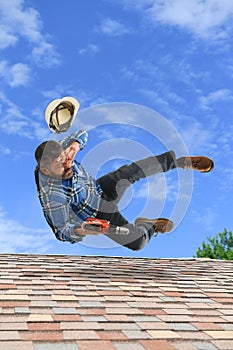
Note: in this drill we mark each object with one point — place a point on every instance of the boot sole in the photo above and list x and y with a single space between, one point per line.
169 225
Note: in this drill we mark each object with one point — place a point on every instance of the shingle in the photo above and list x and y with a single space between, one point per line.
112 335
228 318
7 326
95 345
223 344
226 326
220 334
119 318
175 318
22 310
16 345
207 326
193 335
121 326
14 297
129 346
81 325
153 325
143 318
9 335
84 334
65 318
204 346
43 326
138 334
182 327
178 311
55 346
157 345
94 319
50 336
184 345
125 311
64 310
163 334
40 318
91 304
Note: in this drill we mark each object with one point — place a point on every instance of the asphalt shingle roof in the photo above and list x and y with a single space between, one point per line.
50 302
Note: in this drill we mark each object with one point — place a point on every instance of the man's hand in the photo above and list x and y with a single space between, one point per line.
72 150
82 232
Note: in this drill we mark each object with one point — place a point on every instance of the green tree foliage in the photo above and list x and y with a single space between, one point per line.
218 247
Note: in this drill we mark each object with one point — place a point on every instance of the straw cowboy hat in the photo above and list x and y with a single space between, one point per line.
60 113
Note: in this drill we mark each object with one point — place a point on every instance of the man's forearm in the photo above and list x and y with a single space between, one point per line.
81 232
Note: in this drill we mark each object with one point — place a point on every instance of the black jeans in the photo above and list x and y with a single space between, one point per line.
114 186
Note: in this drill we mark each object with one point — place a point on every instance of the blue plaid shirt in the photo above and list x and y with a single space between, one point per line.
67 203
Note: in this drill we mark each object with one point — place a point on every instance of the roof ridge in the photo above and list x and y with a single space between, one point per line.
114 257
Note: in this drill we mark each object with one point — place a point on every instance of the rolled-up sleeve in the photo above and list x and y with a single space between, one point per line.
80 136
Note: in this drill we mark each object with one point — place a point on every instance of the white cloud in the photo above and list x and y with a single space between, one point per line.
227 181
15 237
26 20
158 189
105 134
86 98
90 49
15 75
129 74
20 74
15 122
225 141
208 19
112 27
155 97
6 39
206 218
19 21
197 137
4 150
45 55
157 76
216 96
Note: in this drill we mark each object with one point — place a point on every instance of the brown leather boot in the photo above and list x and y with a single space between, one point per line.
200 163
160 225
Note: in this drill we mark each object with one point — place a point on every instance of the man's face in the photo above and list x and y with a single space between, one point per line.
60 167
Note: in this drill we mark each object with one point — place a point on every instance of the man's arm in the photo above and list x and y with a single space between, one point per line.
81 232
73 143
62 222
79 137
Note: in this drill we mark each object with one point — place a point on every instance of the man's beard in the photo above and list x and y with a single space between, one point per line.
67 174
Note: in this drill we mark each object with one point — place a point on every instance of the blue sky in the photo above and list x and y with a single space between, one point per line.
150 75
